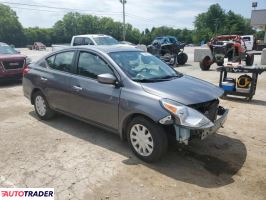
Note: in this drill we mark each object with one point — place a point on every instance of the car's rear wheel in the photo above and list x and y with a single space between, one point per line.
41 106
147 139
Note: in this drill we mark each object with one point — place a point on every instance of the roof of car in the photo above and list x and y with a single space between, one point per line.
109 48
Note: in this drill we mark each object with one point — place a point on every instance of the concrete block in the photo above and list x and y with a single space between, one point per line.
200 53
263 57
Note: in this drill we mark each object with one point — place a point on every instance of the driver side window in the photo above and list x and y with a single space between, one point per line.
91 65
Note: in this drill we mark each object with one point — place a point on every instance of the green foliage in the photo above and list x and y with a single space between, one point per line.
36 34
216 22
11 30
260 35
184 35
213 22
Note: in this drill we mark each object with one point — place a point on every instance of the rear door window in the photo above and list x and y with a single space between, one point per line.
50 61
61 61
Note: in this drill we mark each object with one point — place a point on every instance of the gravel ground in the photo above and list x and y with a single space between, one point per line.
83 162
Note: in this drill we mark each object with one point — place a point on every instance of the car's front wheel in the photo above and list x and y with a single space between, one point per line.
41 106
147 139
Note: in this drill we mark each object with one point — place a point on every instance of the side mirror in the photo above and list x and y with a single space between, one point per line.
106 78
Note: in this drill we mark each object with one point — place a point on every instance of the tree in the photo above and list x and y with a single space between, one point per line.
260 35
11 30
215 21
36 34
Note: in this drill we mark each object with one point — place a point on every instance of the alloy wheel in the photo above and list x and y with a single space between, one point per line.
40 105
141 140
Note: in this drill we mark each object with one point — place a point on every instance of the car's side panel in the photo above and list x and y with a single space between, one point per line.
95 101
139 102
57 88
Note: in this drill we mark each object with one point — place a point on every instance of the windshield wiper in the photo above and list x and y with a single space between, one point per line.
157 79
170 77
150 80
144 80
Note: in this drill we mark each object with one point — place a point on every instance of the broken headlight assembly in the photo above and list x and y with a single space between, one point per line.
186 116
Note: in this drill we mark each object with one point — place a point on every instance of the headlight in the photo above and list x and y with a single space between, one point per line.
185 115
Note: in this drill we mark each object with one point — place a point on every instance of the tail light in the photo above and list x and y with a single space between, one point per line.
26 69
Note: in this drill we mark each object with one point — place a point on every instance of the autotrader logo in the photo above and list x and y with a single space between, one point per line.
26 193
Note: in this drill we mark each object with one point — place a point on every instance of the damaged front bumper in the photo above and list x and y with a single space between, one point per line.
184 134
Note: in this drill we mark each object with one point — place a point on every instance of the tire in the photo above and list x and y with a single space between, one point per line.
153 133
249 59
182 58
205 64
45 112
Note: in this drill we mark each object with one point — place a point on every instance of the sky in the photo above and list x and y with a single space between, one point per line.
140 13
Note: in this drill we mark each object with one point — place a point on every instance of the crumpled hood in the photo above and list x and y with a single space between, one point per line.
185 90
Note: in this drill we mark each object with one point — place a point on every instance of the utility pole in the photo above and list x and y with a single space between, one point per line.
124 19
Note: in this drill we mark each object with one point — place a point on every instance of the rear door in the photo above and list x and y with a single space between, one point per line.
57 79
95 101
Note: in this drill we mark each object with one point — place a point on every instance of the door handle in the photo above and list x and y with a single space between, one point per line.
44 79
77 88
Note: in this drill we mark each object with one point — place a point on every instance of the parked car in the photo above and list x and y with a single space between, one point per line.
168 49
126 91
93 39
38 46
11 63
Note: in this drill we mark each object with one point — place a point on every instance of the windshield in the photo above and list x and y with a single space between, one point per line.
105 41
7 50
144 67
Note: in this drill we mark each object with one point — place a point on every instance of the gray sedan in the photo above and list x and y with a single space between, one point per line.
126 91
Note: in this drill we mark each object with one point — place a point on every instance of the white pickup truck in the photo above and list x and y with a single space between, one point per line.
93 39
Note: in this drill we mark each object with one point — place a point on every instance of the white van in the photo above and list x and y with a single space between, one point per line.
249 41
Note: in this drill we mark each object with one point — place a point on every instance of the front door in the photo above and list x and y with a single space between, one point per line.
95 101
